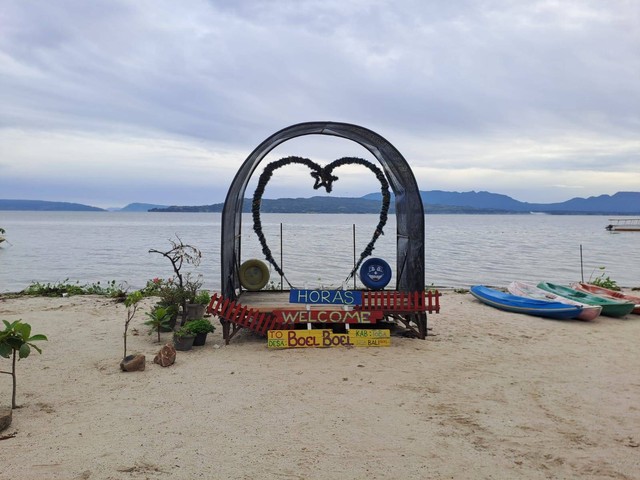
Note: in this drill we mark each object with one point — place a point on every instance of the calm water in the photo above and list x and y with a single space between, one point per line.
461 250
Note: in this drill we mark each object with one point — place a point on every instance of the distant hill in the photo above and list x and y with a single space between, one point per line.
139 207
627 203
44 206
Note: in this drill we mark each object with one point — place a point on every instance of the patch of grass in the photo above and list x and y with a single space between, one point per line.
57 289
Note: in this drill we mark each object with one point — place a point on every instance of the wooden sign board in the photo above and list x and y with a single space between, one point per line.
326 338
326 297
288 317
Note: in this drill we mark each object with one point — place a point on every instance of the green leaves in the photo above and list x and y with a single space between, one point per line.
159 318
133 298
16 337
604 281
57 289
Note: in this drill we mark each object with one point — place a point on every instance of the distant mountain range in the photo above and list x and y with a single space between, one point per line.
434 201
437 201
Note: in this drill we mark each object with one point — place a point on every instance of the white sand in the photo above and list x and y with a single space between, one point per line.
489 395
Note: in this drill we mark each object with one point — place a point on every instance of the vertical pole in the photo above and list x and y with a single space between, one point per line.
581 265
355 274
281 260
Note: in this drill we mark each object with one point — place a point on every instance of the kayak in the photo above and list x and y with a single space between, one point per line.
589 312
529 306
608 293
610 308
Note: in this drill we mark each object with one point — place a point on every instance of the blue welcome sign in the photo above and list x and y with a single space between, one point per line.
326 297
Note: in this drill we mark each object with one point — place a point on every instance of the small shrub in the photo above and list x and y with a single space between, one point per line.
604 281
131 302
159 319
16 341
203 297
201 325
183 332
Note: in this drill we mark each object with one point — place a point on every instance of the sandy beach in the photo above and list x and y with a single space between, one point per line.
489 395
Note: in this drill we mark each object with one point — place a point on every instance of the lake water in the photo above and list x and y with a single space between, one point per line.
460 250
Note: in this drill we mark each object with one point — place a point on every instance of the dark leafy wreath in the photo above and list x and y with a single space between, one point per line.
323 178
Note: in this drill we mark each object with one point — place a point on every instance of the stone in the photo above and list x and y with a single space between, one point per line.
166 356
133 363
5 418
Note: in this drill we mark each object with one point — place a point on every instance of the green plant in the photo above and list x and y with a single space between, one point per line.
183 332
602 281
57 289
16 342
203 297
131 302
179 254
200 325
171 294
159 318
154 287
192 287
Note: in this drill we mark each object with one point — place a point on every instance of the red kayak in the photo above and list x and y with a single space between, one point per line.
605 292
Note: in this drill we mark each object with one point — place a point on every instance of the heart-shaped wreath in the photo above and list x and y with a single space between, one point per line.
323 178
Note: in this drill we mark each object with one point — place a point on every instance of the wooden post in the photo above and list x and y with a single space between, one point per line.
355 274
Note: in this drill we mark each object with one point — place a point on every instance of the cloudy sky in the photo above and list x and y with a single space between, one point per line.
107 102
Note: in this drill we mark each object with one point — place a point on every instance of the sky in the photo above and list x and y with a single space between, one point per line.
108 102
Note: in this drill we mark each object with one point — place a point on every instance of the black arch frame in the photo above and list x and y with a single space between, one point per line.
408 203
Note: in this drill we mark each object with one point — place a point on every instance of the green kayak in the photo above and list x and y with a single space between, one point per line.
610 308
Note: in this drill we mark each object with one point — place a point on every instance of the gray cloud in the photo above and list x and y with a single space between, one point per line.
510 85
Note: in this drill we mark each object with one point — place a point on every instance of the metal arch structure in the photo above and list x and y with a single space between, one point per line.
408 203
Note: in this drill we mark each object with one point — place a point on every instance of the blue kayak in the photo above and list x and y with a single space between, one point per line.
530 306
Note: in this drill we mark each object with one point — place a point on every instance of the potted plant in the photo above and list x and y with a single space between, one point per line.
200 328
183 339
203 297
195 308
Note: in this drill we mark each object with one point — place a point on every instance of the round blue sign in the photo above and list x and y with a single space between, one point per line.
375 273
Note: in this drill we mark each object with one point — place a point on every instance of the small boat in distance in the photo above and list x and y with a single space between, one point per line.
523 289
610 308
529 306
608 293
623 225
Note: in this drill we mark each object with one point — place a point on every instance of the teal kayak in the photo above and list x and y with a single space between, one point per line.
610 308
